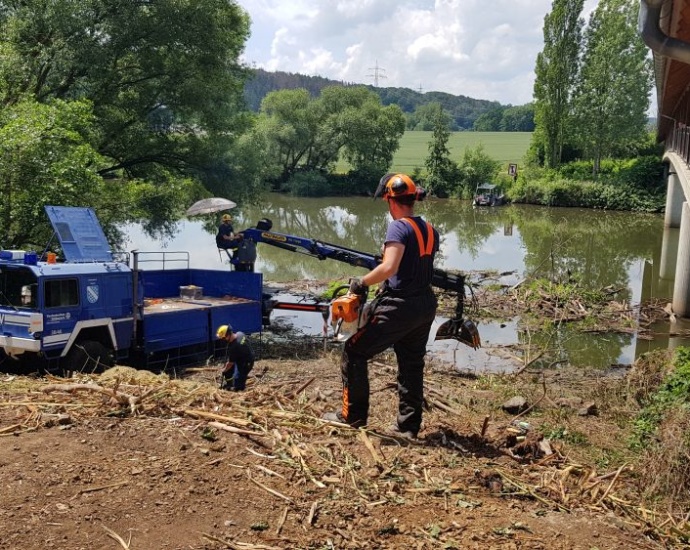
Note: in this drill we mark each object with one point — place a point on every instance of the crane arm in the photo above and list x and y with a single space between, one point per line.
457 328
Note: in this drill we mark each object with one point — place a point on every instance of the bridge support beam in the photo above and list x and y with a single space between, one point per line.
674 199
669 253
681 287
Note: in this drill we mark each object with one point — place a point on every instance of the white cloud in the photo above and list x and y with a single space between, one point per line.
480 49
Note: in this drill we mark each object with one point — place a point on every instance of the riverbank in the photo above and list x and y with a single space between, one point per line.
144 461
540 458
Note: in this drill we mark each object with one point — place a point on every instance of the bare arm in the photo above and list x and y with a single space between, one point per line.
392 254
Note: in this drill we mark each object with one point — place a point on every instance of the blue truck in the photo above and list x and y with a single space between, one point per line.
94 308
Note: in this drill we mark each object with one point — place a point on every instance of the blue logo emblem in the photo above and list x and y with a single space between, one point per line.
92 294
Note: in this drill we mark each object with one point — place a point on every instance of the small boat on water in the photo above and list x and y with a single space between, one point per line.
488 194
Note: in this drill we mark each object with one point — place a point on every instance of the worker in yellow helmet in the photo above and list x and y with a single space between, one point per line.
226 238
239 358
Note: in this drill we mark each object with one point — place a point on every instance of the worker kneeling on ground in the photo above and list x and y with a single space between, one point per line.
239 358
400 316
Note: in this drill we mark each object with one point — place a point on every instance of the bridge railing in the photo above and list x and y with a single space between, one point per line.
679 141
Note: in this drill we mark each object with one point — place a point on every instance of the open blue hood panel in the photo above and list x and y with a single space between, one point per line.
80 234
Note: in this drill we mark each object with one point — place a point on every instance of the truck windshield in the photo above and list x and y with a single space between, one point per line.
18 288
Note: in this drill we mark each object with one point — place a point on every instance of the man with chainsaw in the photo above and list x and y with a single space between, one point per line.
401 314
239 358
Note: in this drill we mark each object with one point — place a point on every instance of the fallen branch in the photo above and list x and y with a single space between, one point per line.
613 481
531 493
100 488
113 535
281 521
11 428
268 489
296 453
303 387
370 446
232 429
194 413
439 405
312 513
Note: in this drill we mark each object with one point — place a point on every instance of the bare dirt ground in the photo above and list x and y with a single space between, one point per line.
132 460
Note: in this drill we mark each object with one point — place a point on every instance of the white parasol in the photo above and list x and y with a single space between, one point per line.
209 206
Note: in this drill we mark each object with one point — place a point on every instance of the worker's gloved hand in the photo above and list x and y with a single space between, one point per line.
358 287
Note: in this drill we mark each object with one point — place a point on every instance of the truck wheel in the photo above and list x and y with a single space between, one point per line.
87 356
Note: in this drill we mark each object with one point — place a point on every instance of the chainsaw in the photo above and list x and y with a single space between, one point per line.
347 310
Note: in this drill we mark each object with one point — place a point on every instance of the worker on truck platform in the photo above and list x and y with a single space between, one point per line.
244 254
225 237
239 358
401 314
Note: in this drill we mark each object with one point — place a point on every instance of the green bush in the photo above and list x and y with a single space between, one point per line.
551 189
643 173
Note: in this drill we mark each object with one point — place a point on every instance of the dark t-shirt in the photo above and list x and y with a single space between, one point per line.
240 350
415 271
225 230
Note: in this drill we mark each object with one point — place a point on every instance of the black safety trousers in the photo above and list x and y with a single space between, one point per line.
401 322
236 378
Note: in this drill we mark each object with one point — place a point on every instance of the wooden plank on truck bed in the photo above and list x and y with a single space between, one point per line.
163 305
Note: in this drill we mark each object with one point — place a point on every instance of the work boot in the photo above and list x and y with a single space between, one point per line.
333 417
408 435
337 417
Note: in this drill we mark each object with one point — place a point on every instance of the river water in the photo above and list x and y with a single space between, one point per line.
595 248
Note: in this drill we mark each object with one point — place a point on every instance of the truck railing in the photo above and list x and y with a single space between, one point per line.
122 257
161 260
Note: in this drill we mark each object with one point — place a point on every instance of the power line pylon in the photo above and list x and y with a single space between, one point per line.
378 73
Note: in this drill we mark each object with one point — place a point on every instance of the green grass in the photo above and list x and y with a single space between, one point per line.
505 147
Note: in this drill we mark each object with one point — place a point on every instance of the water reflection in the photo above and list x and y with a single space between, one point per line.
595 248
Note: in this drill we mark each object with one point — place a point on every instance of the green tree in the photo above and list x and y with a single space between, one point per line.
291 123
439 167
163 79
556 70
424 117
518 119
309 134
489 121
372 137
476 167
48 156
51 149
613 90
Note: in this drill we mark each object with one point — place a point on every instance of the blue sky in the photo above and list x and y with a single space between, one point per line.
480 49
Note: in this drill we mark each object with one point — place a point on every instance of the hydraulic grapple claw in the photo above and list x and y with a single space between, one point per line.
462 330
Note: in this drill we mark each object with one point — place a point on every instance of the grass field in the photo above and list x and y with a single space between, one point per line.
505 147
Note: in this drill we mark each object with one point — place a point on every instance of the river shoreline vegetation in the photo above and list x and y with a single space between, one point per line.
103 106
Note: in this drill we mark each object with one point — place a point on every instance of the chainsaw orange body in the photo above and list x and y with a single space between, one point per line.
345 308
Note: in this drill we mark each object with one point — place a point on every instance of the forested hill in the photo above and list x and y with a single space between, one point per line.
464 110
